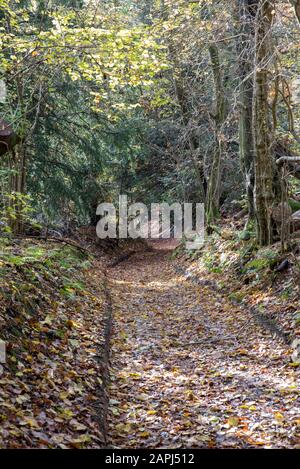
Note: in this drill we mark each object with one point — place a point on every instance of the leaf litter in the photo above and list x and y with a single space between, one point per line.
52 314
188 367
191 370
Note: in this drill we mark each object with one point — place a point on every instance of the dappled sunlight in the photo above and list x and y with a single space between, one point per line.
149 225
191 370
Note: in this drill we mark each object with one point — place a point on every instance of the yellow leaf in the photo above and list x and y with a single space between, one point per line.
31 422
66 414
122 427
144 434
233 421
72 324
135 376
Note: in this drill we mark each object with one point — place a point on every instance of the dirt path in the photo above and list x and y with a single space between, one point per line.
189 369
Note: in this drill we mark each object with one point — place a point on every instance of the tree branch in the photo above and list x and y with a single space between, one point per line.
288 159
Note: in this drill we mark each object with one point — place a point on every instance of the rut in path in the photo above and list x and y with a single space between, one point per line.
188 369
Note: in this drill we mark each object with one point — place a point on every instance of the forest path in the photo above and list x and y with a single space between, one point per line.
188 369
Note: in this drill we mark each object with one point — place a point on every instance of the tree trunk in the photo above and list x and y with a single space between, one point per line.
213 197
246 12
264 167
198 165
17 189
146 8
296 5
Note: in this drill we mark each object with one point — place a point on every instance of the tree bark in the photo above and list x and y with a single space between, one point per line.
246 12
264 194
213 196
296 5
17 189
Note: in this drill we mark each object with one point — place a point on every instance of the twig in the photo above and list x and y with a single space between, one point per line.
289 159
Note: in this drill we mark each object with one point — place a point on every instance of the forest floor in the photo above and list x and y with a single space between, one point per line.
54 316
189 365
189 368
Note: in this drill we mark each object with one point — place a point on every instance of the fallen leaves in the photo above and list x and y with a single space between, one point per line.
31 422
189 369
232 422
49 391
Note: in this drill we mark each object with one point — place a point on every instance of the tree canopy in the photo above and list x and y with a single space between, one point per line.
189 101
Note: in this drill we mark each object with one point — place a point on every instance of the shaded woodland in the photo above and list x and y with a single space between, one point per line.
135 344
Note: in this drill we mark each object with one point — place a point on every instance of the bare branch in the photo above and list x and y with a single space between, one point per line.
289 159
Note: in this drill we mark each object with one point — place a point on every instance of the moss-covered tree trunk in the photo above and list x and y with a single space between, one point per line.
264 167
17 189
219 114
246 12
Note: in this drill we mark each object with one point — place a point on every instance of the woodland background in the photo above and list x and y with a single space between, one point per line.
131 344
163 101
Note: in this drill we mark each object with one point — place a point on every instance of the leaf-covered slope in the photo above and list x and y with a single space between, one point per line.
54 314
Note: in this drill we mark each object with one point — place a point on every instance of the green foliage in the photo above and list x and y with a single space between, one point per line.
76 101
294 204
14 205
257 264
264 259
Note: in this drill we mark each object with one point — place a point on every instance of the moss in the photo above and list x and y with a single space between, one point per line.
257 264
294 204
265 258
237 296
245 235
